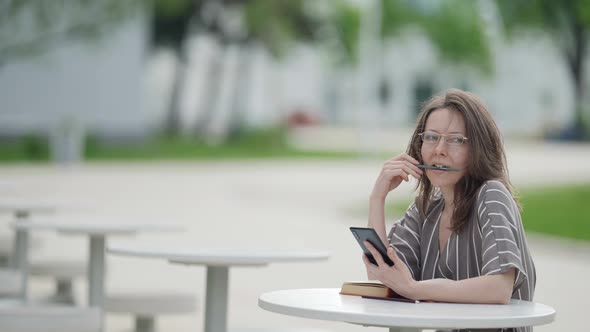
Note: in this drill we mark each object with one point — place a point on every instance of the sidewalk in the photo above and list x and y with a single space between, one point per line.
287 204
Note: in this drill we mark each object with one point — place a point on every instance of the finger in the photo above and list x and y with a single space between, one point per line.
397 159
392 253
415 168
408 167
403 164
371 268
405 175
398 163
376 254
409 170
409 158
366 260
397 172
372 272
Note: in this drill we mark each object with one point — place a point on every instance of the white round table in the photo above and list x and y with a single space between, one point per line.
97 229
328 304
218 262
23 208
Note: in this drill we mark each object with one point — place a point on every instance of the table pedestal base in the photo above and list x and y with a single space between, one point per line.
21 260
96 272
216 299
96 264
20 255
145 324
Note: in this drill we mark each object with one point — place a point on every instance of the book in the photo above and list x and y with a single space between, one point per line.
372 289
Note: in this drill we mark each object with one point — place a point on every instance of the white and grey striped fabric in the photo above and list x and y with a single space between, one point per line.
491 243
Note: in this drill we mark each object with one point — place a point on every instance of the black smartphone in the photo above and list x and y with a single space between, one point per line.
363 234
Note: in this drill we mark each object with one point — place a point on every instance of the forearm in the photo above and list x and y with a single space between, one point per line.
377 217
493 289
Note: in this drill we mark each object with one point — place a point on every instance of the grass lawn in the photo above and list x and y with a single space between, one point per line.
270 143
563 211
178 149
557 211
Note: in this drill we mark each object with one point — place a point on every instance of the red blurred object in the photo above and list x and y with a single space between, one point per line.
301 117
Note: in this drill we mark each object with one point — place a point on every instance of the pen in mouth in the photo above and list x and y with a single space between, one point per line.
439 168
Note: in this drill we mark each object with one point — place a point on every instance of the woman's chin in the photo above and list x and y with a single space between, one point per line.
444 179
441 183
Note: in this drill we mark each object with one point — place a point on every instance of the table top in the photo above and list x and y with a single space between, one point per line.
27 206
328 304
94 225
221 257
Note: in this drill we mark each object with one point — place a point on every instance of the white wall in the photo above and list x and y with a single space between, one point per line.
109 86
531 89
99 83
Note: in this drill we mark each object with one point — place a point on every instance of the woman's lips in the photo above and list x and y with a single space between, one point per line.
438 167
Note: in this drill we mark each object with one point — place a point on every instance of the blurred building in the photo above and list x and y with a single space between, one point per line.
528 92
96 86
114 88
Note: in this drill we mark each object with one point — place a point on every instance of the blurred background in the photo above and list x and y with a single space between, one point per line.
284 110
80 80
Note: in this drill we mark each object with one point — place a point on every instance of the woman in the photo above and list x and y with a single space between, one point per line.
462 240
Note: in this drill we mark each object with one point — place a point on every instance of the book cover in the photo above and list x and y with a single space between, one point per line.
372 289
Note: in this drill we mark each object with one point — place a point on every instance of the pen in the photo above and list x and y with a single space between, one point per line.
439 168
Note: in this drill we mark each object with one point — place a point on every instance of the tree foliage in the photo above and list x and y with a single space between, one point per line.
453 26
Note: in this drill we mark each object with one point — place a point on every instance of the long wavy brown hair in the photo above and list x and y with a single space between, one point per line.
487 159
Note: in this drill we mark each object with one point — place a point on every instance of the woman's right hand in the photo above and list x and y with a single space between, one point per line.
394 170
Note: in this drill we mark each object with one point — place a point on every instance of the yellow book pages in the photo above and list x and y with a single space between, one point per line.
366 288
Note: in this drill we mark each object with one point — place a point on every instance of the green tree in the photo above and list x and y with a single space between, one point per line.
235 24
453 26
568 24
170 26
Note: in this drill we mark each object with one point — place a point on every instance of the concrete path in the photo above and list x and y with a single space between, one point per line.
277 204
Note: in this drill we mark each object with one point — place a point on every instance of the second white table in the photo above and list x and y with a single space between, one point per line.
218 262
97 229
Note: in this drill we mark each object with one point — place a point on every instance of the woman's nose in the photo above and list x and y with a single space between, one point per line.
441 146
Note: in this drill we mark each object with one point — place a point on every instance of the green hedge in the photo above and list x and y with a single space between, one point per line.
559 211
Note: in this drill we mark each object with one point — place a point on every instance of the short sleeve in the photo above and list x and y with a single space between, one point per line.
502 232
405 238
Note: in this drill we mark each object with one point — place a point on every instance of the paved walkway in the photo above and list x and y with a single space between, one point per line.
277 204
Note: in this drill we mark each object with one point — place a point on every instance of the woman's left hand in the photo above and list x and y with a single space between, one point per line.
397 277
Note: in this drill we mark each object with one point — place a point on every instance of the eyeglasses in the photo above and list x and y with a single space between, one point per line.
431 137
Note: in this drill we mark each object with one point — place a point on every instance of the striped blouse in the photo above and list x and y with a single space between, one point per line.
492 242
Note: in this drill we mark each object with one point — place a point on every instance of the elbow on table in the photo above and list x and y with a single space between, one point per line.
496 299
502 297
504 300
503 284
496 295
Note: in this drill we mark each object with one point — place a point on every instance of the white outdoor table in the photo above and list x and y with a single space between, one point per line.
218 262
328 304
23 209
97 229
